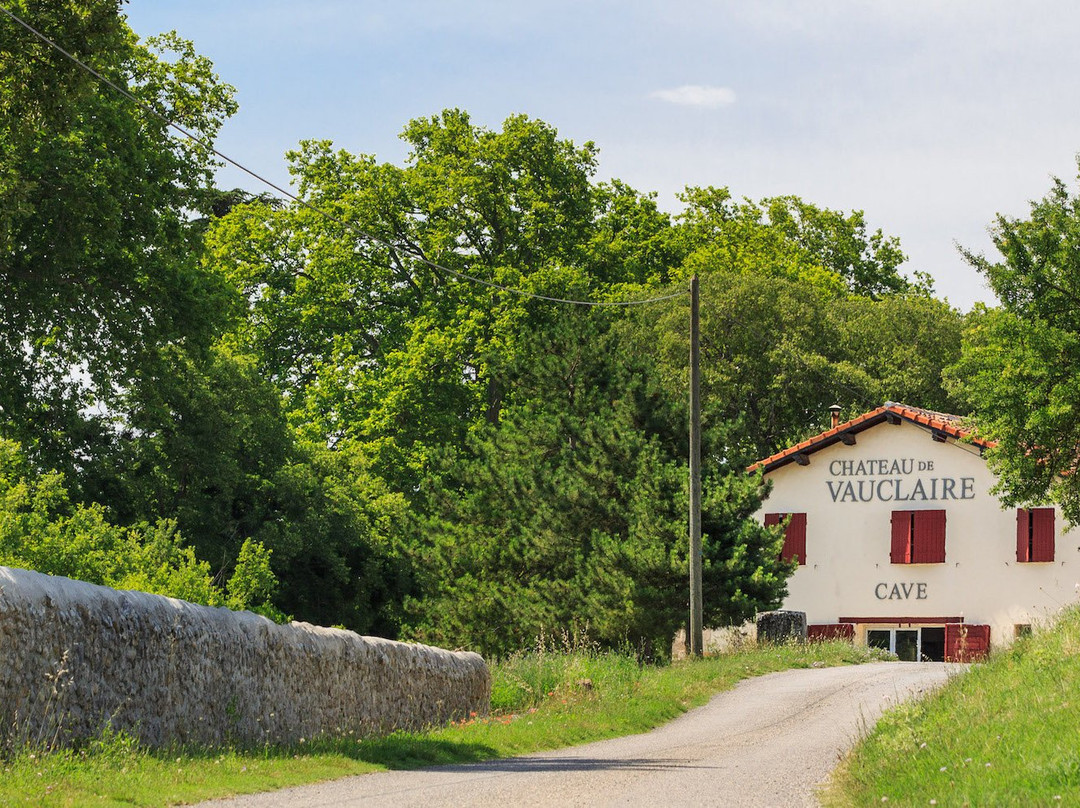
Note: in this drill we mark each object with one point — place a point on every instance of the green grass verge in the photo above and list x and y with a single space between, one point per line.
1005 734
542 700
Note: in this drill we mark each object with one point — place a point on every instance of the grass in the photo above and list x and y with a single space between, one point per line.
541 700
1005 734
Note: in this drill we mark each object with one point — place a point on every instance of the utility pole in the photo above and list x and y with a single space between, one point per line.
695 475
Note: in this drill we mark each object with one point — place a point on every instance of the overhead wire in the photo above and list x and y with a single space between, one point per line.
206 144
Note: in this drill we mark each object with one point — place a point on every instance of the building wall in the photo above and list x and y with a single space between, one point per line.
75 657
848 572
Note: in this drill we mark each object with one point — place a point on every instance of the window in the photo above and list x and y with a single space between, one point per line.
926 644
1035 534
794 535
918 537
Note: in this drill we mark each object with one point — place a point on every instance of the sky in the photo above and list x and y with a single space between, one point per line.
931 117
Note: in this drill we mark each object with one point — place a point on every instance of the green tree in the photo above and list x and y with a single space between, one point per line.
1019 361
366 336
570 514
790 237
208 446
802 308
778 351
896 348
97 257
42 529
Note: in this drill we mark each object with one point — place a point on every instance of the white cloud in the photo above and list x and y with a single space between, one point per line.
697 95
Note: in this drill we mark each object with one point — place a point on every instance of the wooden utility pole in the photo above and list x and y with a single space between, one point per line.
695 475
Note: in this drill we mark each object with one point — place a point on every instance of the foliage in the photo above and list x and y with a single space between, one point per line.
97 257
791 238
1018 365
777 352
252 582
800 309
457 392
366 337
896 348
41 529
571 513
209 446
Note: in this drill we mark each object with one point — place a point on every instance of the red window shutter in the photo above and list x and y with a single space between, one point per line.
795 539
952 641
1035 534
901 537
1023 534
1042 534
929 537
794 534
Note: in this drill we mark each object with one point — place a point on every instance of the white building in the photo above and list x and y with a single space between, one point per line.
901 544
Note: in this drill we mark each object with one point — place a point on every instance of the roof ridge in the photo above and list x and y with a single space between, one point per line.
946 423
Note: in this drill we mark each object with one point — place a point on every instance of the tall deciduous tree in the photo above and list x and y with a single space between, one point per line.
97 260
1019 366
353 317
777 352
788 236
541 460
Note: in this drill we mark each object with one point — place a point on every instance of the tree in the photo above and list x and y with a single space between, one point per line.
801 309
359 327
778 351
116 353
896 348
1019 362
790 237
42 529
570 514
208 446
97 257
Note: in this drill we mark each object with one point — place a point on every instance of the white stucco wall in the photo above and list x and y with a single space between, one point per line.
848 542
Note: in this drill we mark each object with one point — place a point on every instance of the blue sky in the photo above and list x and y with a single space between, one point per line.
929 116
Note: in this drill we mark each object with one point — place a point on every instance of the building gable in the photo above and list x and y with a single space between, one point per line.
941 427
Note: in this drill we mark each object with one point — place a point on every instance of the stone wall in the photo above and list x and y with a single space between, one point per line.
714 641
75 657
781 626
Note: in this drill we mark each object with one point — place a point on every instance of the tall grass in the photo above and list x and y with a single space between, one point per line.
1006 733
558 667
553 696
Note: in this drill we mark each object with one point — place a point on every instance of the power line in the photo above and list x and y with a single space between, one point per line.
314 208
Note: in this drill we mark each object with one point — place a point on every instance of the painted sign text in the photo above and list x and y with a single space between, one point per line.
892 480
902 591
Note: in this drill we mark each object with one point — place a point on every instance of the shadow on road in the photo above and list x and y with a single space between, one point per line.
399 751
580 764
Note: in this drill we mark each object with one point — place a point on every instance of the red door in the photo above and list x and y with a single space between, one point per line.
966 643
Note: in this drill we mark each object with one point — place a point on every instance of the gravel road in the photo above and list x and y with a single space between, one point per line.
767 742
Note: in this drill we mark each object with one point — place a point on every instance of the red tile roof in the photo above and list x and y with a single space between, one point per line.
953 426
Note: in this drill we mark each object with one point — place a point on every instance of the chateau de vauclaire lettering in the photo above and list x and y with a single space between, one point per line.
890 480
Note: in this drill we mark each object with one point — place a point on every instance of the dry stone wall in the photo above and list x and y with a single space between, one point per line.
781 626
75 658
